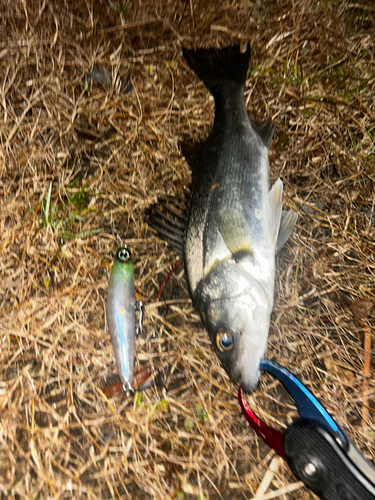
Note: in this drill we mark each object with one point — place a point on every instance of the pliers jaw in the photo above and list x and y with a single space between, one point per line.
308 407
315 448
270 436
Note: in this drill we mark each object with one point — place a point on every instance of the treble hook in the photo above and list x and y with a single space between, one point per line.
141 307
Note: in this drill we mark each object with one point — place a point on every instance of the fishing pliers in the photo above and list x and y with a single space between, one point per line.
316 449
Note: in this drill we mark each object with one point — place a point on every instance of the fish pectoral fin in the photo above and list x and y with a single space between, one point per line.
265 130
235 232
275 208
288 221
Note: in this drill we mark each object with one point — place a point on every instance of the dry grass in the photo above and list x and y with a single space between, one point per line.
77 162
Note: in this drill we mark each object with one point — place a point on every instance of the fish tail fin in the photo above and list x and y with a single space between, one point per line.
217 66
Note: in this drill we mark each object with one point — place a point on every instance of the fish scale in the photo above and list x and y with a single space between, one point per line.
235 221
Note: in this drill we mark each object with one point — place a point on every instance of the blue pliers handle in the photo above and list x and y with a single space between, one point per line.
316 449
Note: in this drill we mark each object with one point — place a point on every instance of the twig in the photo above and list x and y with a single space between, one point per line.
361 309
366 373
282 491
267 479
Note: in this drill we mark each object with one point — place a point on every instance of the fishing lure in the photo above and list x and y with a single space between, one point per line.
121 314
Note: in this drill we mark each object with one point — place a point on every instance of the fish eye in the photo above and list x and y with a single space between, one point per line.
224 340
123 254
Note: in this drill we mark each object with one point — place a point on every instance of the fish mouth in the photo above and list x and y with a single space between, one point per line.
247 377
249 387
247 371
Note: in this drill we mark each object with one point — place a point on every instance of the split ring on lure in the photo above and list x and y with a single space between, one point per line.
121 314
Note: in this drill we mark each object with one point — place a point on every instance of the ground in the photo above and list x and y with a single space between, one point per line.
79 161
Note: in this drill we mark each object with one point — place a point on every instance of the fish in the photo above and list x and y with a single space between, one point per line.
121 315
235 221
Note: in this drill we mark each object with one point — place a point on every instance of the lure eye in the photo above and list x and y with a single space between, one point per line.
224 341
123 254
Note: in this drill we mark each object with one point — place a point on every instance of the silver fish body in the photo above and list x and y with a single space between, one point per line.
121 314
236 223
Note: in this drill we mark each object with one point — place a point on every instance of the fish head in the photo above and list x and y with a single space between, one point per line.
235 310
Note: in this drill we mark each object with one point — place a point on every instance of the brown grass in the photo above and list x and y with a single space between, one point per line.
78 162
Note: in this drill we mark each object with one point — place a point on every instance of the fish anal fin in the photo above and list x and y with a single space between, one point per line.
275 207
235 232
265 130
287 223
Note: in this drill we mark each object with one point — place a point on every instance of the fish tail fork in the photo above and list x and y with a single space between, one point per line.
217 66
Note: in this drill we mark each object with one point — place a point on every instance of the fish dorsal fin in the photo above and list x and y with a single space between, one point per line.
235 232
265 130
288 221
169 218
275 207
